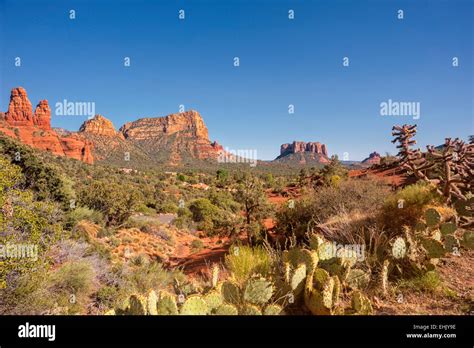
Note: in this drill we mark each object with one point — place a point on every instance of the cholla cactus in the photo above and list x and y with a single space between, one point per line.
454 161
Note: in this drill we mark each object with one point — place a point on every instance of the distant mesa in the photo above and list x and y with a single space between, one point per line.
374 158
34 129
301 146
303 153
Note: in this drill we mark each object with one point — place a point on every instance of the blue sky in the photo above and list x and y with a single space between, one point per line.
282 62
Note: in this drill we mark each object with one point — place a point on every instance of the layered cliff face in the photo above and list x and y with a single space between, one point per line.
34 129
303 153
188 123
174 138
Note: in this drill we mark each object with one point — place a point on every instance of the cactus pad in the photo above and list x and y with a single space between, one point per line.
230 292
227 309
433 247
249 309
213 300
167 304
358 279
432 217
450 243
258 291
447 228
137 305
361 304
297 279
194 305
151 303
272 309
399 248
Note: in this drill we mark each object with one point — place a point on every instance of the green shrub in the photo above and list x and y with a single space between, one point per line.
244 261
353 195
405 207
106 296
428 282
74 277
83 213
197 245
117 202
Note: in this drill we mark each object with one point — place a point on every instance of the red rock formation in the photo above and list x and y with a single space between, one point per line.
42 116
374 158
301 146
186 130
35 130
19 112
189 122
99 125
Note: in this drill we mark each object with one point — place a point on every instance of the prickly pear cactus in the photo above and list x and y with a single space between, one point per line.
309 258
297 256
399 248
434 248
167 304
258 291
358 279
194 305
361 304
249 309
213 300
432 217
326 251
319 292
315 240
468 240
297 279
447 228
227 309
137 305
451 243
337 266
151 303
273 309
318 278
230 292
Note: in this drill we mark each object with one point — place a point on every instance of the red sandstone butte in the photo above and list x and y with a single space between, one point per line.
34 130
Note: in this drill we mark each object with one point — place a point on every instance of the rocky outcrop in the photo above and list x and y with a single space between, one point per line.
19 112
374 158
300 152
188 123
99 125
35 129
301 146
42 116
174 136
174 139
